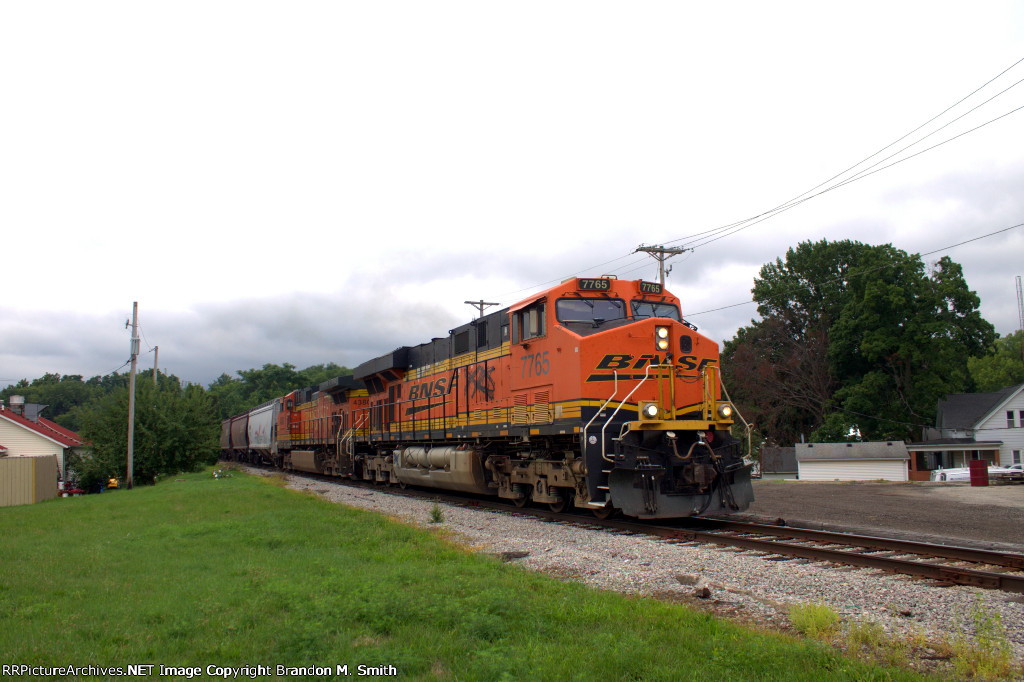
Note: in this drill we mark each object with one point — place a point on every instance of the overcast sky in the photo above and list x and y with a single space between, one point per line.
324 181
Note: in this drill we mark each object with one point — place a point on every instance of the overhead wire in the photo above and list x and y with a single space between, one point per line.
801 198
865 272
706 237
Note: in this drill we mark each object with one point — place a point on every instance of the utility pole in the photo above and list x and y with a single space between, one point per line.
1020 314
156 359
480 305
131 389
661 254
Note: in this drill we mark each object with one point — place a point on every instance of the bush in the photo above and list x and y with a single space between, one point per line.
176 429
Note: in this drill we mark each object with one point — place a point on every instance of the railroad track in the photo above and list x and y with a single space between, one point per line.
923 560
943 563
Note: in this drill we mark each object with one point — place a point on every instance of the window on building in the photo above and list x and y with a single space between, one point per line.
1020 419
1016 457
1009 419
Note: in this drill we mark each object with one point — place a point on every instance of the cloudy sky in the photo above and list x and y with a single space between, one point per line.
324 181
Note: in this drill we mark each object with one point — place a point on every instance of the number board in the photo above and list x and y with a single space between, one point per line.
650 288
598 284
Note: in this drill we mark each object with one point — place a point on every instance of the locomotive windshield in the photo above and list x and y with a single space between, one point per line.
590 309
642 309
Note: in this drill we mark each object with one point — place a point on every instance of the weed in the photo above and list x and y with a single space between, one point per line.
990 656
436 515
814 620
867 635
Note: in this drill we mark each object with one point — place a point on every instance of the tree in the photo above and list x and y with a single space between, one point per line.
61 394
855 341
256 386
176 429
1000 368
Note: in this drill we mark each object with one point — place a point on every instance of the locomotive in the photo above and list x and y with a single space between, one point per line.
593 394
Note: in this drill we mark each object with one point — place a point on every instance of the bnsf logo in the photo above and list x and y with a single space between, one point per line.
614 361
430 389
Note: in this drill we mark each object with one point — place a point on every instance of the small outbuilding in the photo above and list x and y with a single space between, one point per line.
876 461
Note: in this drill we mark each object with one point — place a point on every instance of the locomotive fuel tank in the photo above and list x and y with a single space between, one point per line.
447 467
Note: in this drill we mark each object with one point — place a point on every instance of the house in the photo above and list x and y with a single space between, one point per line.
876 461
968 426
24 433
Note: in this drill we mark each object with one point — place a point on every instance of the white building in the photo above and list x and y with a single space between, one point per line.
970 426
23 433
876 461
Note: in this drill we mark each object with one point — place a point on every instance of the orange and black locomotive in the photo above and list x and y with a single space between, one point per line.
594 394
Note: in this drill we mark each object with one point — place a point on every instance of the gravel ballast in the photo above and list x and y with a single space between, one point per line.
738 584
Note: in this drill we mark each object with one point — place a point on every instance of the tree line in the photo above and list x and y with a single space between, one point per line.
177 424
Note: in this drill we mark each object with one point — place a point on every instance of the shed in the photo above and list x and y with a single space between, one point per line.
885 460
26 480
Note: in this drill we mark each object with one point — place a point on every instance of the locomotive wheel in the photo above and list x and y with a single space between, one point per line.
560 506
520 501
604 512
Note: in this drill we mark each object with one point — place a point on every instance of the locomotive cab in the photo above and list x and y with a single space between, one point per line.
654 436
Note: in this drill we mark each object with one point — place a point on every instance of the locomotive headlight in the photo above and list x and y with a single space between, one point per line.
649 410
724 411
661 338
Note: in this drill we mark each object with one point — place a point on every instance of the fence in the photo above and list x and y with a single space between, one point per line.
26 480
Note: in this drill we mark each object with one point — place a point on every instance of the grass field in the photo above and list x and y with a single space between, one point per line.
198 571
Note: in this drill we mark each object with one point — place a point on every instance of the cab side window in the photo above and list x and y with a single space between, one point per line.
528 323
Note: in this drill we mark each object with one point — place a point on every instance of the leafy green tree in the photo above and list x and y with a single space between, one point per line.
855 341
176 429
1002 367
61 394
255 386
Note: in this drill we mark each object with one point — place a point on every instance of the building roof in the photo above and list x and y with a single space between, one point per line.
954 445
45 428
807 452
965 410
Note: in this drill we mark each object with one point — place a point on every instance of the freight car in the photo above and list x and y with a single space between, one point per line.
594 394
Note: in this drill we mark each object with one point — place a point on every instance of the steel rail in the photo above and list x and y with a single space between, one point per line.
1006 582
980 556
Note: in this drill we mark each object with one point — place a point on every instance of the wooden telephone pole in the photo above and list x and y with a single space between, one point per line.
131 390
661 254
480 305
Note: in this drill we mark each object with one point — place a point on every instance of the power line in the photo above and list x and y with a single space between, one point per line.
712 235
800 198
865 272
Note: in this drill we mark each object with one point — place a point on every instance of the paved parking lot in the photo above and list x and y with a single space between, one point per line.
990 516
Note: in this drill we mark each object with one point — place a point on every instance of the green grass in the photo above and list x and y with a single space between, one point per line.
238 571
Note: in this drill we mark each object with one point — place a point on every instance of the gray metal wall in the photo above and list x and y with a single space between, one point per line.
26 480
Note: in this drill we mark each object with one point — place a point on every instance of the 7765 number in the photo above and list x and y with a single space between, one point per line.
536 364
